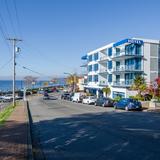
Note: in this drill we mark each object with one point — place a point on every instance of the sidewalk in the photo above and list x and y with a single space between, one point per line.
13 135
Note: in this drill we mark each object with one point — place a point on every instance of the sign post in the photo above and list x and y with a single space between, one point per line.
155 86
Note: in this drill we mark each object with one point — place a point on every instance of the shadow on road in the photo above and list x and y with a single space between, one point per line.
113 136
13 140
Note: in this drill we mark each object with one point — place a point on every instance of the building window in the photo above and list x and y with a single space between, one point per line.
90 58
110 78
89 78
109 64
95 78
130 49
129 62
89 68
96 56
139 49
138 63
95 67
109 51
117 51
129 78
133 64
118 94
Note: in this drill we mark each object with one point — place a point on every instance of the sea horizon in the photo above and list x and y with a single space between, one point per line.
6 85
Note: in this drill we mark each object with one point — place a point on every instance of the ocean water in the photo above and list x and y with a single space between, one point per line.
6 85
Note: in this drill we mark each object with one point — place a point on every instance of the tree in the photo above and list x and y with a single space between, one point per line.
155 90
106 90
29 80
139 84
72 81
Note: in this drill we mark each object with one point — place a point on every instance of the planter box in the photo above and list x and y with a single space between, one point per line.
145 104
154 105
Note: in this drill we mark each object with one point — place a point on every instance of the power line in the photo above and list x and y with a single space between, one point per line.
10 18
3 32
5 64
17 17
3 24
24 67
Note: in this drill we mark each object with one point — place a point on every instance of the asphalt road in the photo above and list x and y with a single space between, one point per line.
71 131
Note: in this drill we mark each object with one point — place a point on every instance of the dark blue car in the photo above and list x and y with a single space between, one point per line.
128 104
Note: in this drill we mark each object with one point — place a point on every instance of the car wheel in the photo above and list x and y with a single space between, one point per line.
126 108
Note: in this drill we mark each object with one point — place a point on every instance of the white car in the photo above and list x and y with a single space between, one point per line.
7 98
77 97
89 100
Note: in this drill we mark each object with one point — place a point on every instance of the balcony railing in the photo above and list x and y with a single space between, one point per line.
104 58
126 83
104 70
124 68
124 53
103 83
84 64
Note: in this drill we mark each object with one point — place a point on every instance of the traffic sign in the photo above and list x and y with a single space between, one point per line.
155 85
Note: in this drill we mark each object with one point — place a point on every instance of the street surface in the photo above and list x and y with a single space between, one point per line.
71 131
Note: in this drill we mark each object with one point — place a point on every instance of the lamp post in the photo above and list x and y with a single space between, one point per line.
73 77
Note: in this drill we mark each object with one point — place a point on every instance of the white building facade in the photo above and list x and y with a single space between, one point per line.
117 64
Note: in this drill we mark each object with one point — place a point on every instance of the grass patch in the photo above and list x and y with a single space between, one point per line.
6 113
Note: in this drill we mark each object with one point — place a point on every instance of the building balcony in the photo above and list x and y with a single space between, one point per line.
126 83
103 83
102 71
124 55
84 64
103 59
126 68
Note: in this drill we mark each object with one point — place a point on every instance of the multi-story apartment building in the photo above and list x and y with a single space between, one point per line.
117 64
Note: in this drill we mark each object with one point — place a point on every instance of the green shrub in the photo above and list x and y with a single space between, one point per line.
116 99
137 97
6 113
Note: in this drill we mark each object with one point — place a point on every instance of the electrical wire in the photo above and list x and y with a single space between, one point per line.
10 18
4 34
24 67
5 64
17 17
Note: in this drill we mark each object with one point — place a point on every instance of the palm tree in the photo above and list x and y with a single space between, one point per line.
106 90
139 84
72 80
29 80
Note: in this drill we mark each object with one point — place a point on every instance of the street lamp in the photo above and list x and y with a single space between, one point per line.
73 77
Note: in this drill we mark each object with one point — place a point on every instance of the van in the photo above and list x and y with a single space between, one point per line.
77 97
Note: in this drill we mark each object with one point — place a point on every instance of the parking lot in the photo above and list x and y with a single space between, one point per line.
67 130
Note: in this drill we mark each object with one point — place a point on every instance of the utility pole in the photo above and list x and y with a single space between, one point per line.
14 41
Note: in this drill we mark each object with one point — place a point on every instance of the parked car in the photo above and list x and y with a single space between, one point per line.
7 98
89 100
66 96
46 95
105 102
77 97
128 104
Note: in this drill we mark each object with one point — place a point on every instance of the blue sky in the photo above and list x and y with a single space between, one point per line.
56 33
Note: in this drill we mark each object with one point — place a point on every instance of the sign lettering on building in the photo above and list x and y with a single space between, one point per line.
135 41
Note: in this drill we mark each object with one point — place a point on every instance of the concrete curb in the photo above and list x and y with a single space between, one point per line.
29 136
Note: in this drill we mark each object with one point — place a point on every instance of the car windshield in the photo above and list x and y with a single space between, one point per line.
92 97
